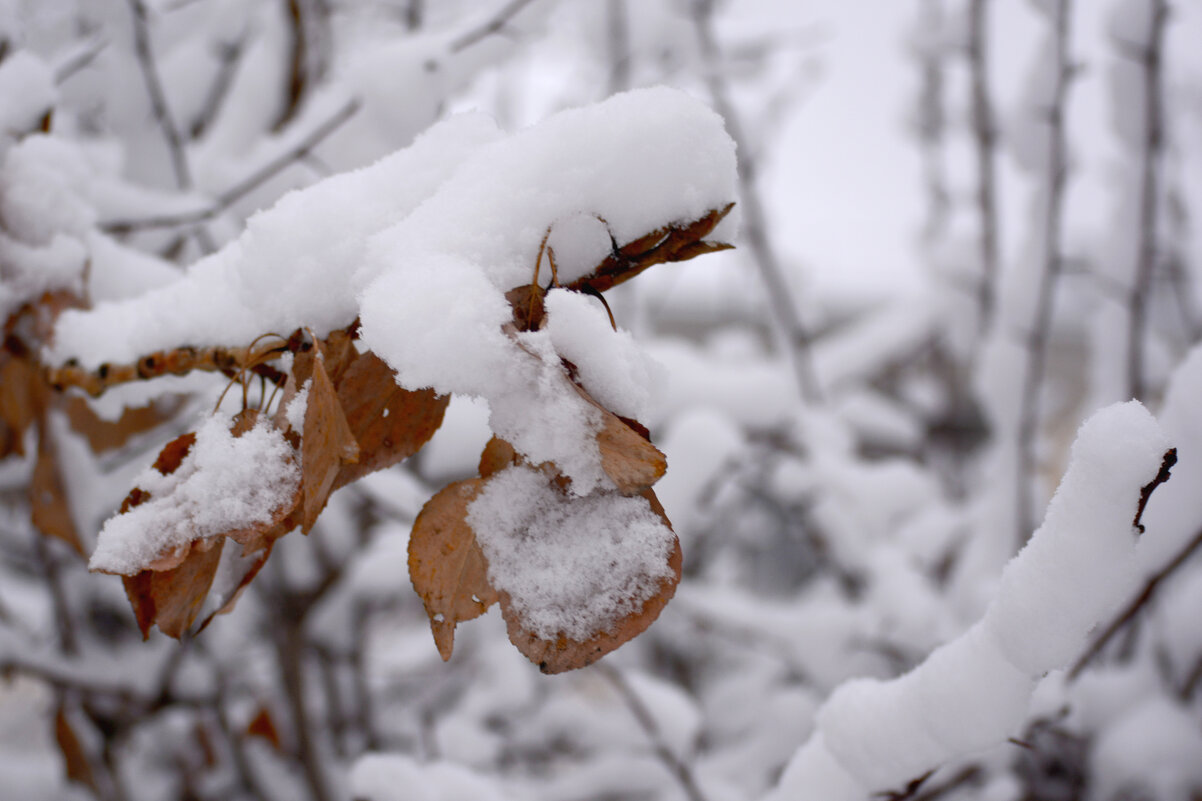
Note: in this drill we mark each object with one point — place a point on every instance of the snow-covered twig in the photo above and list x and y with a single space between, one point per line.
972 692
1129 612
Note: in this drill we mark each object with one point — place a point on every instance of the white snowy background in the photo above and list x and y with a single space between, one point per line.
858 445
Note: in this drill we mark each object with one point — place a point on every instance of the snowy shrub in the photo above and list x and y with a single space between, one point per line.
823 459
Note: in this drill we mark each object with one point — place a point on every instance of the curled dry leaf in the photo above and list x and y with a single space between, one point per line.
446 565
75 759
105 435
563 653
172 597
19 399
50 510
326 444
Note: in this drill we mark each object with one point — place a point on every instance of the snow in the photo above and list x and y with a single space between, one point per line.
225 484
291 268
398 777
1153 751
572 566
609 363
973 692
28 92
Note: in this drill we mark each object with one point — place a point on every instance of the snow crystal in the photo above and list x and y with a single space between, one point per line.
225 483
294 413
572 566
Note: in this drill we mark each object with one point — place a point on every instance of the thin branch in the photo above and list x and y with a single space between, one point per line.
1036 340
618 44
235 193
492 25
1149 190
79 61
679 769
985 142
158 98
230 56
780 297
1129 612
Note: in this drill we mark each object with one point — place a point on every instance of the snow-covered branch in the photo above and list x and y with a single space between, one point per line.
973 692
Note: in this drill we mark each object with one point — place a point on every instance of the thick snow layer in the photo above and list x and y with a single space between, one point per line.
974 691
292 266
468 210
610 365
572 566
225 483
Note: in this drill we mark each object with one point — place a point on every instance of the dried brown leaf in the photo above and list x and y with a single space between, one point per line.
262 725
389 423
632 463
105 435
172 598
19 398
496 456
51 511
75 759
326 444
563 653
446 565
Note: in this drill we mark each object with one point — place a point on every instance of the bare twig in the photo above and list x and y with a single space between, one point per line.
985 142
229 56
158 99
1129 612
679 769
80 60
236 192
780 297
1036 339
932 124
1150 58
618 43
494 24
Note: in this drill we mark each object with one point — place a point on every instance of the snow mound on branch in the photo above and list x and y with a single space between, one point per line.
224 484
292 267
973 692
468 210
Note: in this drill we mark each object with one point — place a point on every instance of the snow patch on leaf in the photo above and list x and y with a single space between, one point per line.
571 566
224 484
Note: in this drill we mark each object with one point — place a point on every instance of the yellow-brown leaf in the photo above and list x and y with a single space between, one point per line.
172 598
446 565
389 423
326 444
